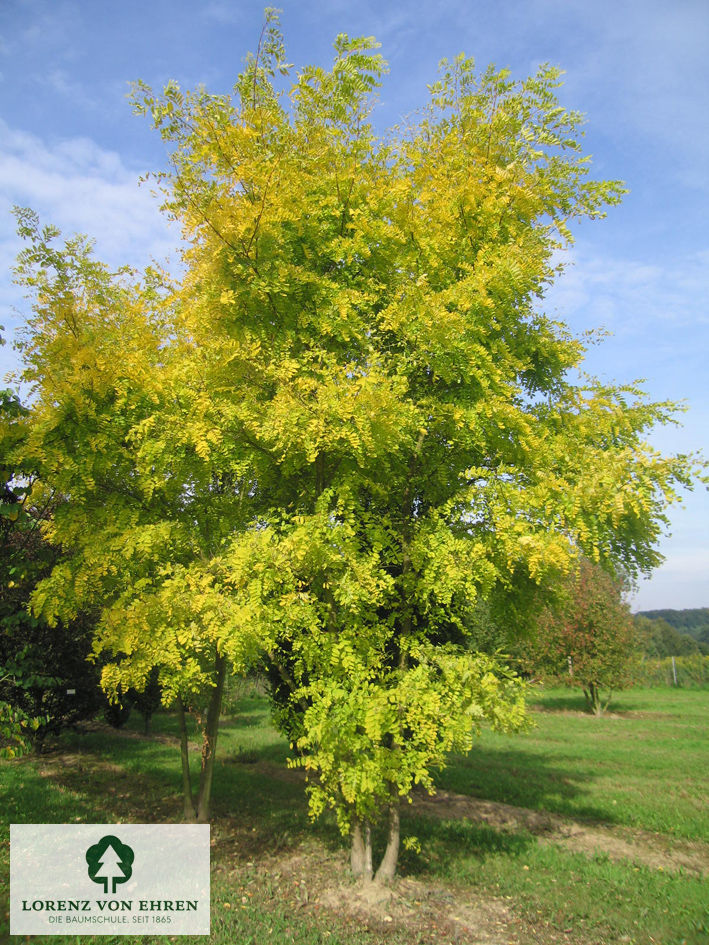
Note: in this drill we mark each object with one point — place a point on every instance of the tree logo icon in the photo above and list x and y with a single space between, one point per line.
110 862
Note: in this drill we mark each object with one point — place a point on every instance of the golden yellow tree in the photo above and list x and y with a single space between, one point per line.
357 355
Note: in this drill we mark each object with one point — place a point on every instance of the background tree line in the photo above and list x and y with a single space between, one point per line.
674 632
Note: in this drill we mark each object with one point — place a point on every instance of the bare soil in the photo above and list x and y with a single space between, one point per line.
410 910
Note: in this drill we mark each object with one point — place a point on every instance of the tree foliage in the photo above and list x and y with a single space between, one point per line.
657 638
46 683
348 423
692 622
139 529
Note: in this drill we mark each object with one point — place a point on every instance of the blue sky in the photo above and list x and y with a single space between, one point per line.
71 148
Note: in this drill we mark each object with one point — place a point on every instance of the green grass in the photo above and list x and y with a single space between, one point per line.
597 899
646 767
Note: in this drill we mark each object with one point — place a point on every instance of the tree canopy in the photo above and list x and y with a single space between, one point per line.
349 421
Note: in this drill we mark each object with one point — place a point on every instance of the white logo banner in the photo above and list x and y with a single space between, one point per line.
109 879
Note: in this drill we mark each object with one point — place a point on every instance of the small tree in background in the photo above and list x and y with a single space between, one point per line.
588 638
149 700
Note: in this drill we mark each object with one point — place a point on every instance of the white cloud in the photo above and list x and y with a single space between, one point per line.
75 92
632 297
79 187
656 311
657 317
644 62
223 12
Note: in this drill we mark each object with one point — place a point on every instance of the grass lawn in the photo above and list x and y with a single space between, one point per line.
638 776
645 764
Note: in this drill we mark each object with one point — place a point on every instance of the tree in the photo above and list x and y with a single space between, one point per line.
589 638
356 357
149 700
46 682
143 516
674 632
372 736
366 308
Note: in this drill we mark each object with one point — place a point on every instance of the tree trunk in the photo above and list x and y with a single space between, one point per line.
209 743
361 850
593 698
368 868
387 868
356 849
190 812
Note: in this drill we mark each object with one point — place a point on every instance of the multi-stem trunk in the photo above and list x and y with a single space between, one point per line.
190 811
593 698
196 810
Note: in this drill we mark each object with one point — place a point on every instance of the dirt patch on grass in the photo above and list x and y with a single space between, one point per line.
619 843
430 911
608 714
410 910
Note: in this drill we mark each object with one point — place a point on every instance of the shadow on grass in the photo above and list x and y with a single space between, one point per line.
445 844
242 721
103 776
166 722
526 779
29 798
573 700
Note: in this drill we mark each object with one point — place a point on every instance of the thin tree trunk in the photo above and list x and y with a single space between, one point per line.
357 849
387 868
209 744
361 850
368 868
189 808
593 697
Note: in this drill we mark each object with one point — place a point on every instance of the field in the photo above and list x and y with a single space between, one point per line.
584 831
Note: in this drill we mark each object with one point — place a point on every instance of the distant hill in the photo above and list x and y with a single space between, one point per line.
694 622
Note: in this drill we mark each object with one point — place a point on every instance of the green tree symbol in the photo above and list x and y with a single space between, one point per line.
110 862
